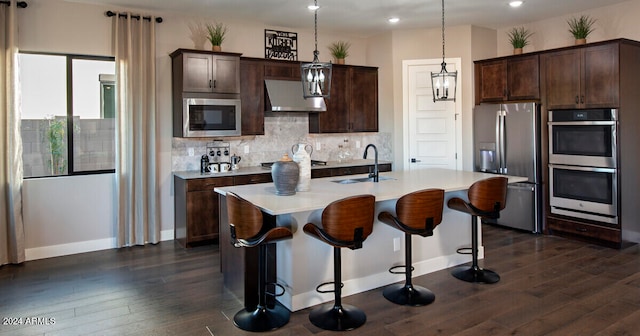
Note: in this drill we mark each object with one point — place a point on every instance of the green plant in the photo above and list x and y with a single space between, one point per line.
519 37
581 27
217 33
55 134
339 49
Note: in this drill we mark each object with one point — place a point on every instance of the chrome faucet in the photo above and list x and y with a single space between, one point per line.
375 165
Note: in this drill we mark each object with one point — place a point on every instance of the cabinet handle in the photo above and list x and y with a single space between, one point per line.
577 100
214 83
582 99
210 83
581 229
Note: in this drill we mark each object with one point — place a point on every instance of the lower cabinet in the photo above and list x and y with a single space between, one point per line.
601 234
196 209
196 203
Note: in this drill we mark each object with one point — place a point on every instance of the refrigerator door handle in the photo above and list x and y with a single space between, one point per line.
503 142
500 139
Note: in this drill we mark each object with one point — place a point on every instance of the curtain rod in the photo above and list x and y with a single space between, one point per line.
148 18
21 4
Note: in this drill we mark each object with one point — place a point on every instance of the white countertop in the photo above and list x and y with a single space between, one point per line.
324 191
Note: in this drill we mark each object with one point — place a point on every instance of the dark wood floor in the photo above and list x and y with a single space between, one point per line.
549 286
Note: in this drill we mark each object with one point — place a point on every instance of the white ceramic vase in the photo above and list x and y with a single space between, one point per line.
302 156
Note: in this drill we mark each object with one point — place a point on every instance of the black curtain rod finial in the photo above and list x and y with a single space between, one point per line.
20 4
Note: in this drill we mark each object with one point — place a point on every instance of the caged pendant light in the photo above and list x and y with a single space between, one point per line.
443 83
316 76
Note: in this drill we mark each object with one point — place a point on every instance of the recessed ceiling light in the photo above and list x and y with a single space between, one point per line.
313 7
515 3
394 20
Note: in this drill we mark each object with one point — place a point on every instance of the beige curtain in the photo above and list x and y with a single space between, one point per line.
138 219
11 228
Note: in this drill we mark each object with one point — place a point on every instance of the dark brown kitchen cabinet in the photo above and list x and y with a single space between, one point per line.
514 78
196 209
206 72
353 102
252 96
584 77
284 70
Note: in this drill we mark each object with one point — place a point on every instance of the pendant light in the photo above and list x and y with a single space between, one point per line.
316 76
443 83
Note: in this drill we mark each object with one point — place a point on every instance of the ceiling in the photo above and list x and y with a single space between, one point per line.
365 17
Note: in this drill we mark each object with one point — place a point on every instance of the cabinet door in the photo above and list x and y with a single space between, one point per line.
200 222
523 78
561 73
336 118
202 216
601 76
363 109
252 97
226 77
197 72
282 70
492 81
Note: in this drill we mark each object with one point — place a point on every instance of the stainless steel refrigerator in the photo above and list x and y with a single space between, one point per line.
507 141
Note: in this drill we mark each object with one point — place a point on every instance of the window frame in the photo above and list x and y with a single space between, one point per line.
70 122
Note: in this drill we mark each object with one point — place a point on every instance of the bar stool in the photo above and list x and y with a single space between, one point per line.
486 199
247 230
345 223
416 213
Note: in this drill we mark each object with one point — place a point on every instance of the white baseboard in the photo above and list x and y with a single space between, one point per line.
81 247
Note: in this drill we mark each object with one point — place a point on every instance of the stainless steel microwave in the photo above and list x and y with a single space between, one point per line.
207 117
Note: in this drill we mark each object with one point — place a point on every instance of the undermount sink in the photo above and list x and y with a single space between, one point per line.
362 179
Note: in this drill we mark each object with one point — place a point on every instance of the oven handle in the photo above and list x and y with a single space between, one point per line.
581 168
582 123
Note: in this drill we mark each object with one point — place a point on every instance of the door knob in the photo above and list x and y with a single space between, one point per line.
413 160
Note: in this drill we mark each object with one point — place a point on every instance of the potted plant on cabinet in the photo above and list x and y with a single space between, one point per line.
519 38
217 34
339 50
581 27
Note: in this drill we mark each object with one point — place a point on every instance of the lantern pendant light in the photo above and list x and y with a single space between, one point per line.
443 83
316 76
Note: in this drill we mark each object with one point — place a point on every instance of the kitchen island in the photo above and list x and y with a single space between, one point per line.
304 262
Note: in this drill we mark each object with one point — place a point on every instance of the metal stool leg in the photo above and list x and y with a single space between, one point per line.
474 273
336 316
407 294
262 318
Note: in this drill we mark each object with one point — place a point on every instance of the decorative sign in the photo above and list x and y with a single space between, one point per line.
280 45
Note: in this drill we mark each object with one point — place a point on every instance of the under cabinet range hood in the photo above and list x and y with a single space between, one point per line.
286 96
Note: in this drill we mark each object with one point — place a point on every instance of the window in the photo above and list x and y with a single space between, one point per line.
68 114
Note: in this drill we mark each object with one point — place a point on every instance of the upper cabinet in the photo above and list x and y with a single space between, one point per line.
206 72
252 96
586 77
514 78
353 103
285 70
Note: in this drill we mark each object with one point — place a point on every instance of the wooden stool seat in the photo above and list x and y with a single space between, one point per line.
345 223
248 230
417 213
486 199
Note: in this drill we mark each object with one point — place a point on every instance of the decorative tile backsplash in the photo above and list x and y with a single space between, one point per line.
281 133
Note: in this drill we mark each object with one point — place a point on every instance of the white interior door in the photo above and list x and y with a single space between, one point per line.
432 128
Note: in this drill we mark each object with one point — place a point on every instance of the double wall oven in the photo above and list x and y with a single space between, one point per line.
583 174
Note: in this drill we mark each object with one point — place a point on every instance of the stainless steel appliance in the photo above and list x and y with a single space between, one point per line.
583 137
584 192
506 141
583 176
211 117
